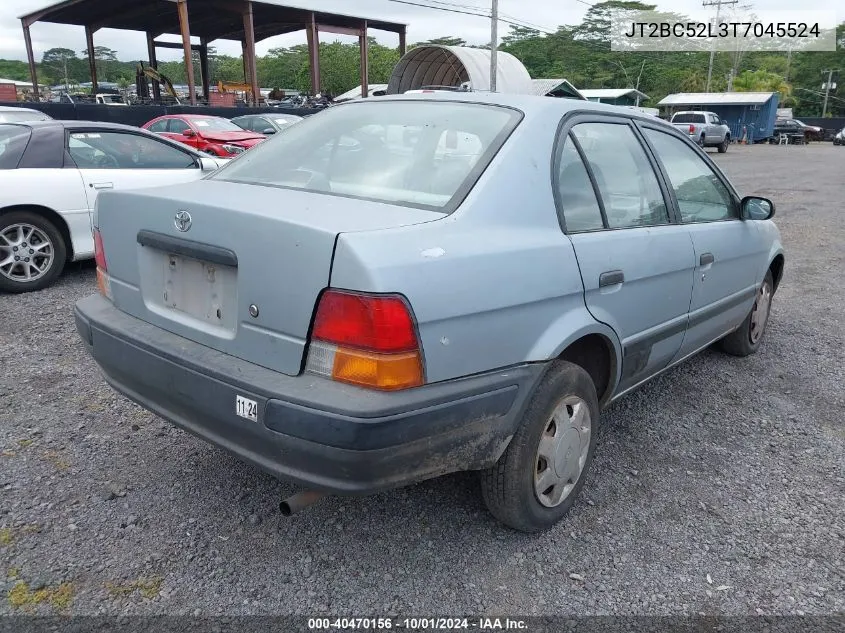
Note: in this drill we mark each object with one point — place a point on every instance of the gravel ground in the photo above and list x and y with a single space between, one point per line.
717 488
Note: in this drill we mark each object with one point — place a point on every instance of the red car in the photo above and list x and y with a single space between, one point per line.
210 134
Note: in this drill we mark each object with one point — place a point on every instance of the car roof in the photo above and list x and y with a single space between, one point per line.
17 109
529 104
191 116
79 125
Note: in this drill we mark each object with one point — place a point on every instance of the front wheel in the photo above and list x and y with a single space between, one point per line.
539 476
746 340
32 252
723 146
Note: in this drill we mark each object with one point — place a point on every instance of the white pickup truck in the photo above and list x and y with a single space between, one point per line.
705 128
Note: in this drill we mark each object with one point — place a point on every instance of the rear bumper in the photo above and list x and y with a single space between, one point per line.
318 433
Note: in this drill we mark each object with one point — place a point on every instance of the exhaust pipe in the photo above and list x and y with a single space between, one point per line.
300 501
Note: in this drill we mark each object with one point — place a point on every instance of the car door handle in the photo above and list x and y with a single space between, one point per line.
102 185
611 278
706 259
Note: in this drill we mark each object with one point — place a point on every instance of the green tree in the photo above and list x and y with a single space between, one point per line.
64 64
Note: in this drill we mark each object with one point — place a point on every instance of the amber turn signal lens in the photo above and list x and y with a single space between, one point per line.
379 371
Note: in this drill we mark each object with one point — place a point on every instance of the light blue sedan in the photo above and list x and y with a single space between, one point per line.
400 288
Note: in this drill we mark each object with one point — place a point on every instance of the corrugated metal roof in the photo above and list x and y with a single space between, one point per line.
716 98
434 65
611 93
541 87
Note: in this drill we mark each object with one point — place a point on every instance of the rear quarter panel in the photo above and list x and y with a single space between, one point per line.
494 284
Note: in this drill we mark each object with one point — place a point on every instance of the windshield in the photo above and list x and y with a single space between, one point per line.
688 118
23 115
416 153
214 124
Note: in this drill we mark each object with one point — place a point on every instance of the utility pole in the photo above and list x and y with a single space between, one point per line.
718 4
494 44
827 88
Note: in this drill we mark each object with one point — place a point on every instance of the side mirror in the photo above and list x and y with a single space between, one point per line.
189 133
269 131
757 208
207 164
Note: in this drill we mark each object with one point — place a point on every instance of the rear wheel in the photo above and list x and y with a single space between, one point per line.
539 476
32 252
746 340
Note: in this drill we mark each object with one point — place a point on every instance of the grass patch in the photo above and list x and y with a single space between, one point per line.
25 442
55 458
147 588
10 535
23 598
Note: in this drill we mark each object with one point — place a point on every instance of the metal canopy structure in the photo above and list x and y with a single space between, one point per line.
437 65
246 21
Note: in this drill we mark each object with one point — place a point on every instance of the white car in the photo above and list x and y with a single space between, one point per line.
50 175
14 114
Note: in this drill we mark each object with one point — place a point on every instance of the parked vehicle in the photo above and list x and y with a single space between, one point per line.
51 173
209 134
794 126
13 114
266 124
839 139
389 311
110 99
705 128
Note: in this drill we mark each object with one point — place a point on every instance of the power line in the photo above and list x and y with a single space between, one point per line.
514 22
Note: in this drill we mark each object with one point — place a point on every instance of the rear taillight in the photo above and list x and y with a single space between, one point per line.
366 340
103 280
692 129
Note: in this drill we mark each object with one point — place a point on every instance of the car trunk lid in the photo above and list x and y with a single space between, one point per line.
232 266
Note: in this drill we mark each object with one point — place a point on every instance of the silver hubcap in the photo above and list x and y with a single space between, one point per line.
26 253
760 312
562 452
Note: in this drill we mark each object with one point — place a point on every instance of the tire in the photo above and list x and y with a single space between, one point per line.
746 340
723 146
510 487
30 233
701 142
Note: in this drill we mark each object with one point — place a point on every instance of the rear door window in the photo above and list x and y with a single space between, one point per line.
13 142
425 154
627 184
159 126
577 198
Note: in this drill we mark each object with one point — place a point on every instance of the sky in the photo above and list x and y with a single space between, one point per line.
423 24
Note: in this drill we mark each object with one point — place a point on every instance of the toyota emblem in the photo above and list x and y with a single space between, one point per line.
183 221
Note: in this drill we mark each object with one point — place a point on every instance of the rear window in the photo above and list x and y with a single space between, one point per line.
13 142
425 154
22 116
688 118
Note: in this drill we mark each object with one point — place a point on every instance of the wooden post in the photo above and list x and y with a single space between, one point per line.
184 26
313 53
206 79
92 62
249 36
33 75
151 50
402 47
365 71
